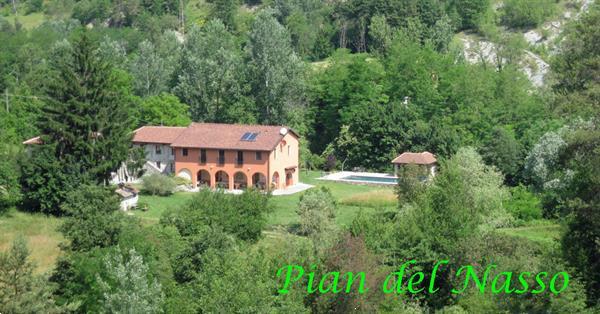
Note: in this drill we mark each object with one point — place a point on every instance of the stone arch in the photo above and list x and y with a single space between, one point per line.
203 177
259 181
240 180
275 180
222 180
185 173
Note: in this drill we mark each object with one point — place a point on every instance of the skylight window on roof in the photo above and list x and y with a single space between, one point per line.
252 137
249 137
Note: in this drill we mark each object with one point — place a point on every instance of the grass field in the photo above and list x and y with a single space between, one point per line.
43 237
28 21
546 233
351 199
41 234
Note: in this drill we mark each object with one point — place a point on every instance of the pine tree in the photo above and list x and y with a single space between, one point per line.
20 290
85 127
86 117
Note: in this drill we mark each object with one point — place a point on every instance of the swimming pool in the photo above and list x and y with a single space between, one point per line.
369 179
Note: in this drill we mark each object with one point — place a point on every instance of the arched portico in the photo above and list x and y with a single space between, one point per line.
222 180
203 178
185 173
240 180
259 181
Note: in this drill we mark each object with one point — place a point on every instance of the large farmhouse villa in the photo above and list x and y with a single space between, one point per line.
229 156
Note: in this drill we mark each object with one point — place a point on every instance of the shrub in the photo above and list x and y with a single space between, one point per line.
242 215
158 184
316 210
526 13
523 204
181 181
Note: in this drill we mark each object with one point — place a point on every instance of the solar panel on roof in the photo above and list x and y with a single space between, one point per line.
246 136
252 137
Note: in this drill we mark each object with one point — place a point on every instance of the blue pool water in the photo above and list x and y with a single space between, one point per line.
371 179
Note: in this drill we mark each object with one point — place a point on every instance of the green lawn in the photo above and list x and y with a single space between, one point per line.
351 199
30 21
41 232
546 233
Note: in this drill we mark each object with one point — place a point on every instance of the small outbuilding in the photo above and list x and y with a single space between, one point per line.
425 159
128 196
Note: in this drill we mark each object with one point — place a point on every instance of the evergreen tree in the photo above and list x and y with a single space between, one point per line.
85 127
20 290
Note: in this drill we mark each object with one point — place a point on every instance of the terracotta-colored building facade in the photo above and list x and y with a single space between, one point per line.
229 156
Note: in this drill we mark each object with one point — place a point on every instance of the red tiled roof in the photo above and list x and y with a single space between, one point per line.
157 134
424 158
229 136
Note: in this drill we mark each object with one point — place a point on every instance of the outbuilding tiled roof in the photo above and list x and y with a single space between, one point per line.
424 158
157 134
231 136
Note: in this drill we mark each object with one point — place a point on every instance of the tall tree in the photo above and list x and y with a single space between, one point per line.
213 78
130 287
85 127
20 290
276 72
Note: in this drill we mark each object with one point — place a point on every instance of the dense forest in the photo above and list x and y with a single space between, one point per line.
360 81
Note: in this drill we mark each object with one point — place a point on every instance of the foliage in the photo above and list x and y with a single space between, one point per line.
580 243
93 218
85 128
519 13
158 184
505 152
411 183
213 80
576 66
129 288
242 215
317 213
153 66
276 73
163 109
10 192
523 204
20 290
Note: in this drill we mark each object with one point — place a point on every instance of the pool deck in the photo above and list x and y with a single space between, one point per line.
339 177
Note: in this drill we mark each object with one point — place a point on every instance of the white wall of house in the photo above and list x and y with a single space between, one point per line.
161 157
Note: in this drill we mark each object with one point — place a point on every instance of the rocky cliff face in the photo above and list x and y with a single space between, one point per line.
546 38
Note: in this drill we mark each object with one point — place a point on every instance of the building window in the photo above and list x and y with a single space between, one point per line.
172 167
173 151
221 157
203 156
258 155
240 157
184 152
157 149
275 153
289 150
158 164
